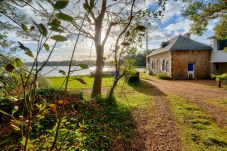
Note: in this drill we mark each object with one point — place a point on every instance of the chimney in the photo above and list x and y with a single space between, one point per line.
164 44
187 35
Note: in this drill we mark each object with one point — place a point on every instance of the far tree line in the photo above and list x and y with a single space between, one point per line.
139 57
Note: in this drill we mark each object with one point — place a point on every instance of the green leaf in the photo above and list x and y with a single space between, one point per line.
60 4
17 62
55 23
46 46
9 67
81 80
24 27
62 72
23 140
29 143
140 28
26 49
83 66
29 53
57 29
14 110
58 38
37 26
64 17
43 31
41 27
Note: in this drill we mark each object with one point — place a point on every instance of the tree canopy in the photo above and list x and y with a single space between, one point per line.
201 12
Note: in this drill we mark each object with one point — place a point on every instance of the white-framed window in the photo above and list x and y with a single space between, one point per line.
167 65
163 65
157 66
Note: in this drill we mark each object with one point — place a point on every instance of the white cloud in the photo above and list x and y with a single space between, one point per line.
157 34
173 8
183 25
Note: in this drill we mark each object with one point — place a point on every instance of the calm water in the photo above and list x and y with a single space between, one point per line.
53 71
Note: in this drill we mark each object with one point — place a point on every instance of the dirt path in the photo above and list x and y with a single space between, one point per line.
198 92
164 135
155 125
156 128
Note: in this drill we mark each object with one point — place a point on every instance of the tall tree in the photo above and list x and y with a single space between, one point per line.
103 20
201 12
109 19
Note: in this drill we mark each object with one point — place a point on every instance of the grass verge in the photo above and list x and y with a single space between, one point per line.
198 131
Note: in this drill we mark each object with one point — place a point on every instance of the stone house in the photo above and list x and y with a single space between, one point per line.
181 58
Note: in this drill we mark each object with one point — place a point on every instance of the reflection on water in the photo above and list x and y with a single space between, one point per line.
52 71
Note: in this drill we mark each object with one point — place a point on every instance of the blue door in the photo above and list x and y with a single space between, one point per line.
190 67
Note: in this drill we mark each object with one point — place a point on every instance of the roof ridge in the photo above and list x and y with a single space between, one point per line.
174 40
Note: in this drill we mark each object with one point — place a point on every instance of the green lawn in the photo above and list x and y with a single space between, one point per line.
198 130
125 94
56 82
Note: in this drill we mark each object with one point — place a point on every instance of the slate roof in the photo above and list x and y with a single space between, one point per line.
181 43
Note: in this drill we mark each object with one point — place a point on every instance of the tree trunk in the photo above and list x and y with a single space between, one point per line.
97 85
219 84
111 93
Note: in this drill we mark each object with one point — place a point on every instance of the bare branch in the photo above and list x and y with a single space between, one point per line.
108 32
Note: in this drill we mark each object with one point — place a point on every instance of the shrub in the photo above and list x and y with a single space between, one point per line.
134 78
220 78
164 76
9 83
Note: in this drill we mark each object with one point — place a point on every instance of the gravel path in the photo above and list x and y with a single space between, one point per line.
156 128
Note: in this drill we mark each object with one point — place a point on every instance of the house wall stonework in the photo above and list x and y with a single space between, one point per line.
181 59
156 65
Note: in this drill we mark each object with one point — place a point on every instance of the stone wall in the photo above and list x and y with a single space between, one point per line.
157 63
181 59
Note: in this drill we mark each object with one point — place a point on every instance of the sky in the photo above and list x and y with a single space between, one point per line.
172 24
